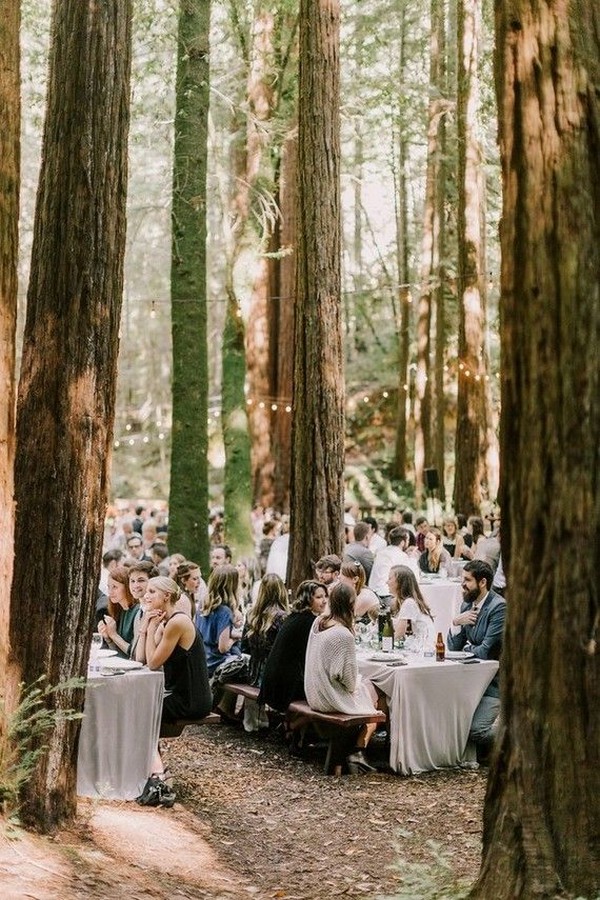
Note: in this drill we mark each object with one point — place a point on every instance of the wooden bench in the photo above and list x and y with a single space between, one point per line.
174 729
341 730
242 690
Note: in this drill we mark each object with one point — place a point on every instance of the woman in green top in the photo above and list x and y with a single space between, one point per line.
121 625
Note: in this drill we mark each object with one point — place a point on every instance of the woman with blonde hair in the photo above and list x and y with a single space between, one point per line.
434 557
366 607
168 638
120 626
218 621
409 604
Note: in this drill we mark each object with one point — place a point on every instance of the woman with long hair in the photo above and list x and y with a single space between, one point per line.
218 622
262 626
331 679
477 535
283 673
169 639
434 557
120 626
409 604
366 608
193 588
453 540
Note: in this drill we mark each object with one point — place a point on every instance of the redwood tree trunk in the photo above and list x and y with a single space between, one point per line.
10 122
67 389
471 412
188 494
542 813
317 486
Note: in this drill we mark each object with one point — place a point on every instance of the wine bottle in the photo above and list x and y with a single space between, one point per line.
440 648
387 635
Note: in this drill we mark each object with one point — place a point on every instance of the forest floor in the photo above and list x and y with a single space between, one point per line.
253 822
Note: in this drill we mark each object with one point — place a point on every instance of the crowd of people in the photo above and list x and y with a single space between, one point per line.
156 607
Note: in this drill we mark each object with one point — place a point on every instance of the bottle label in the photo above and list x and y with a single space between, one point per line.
387 644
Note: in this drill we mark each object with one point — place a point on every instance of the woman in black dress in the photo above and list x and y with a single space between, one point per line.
283 675
169 639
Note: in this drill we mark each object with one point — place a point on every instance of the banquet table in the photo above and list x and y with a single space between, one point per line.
431 705
119 733
444 598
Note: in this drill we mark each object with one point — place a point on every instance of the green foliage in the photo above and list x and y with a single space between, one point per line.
24 732
435 880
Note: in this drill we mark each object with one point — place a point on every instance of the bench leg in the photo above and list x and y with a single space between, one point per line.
342 742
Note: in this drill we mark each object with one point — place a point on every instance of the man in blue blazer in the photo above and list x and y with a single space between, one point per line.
479 628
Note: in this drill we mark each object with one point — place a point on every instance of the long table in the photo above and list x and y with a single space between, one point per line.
119 734
431 705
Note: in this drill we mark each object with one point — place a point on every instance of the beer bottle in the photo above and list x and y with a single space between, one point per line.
440 648
387 635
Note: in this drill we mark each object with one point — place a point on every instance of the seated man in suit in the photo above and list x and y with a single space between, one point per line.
479 628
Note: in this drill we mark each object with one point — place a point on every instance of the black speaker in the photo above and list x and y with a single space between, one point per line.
432 481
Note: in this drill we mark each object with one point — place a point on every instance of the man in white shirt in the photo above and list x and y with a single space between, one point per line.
394 554
376 542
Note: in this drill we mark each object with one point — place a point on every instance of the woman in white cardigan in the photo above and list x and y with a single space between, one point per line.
331 679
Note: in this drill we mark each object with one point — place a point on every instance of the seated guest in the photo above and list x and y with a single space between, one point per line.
409 605
392 555
218 622
327 570
262 626
376 541
175 560
421 529
474 537
135 548
479 629
180 651
366 608
283 675
358 550
119 627
331 679
434 557
159 553
220 555
193 588
140 574
453 540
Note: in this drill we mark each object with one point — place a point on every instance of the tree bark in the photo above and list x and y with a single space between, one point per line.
188 496
317 488
66 393
542 812
10 153
281 329
470 424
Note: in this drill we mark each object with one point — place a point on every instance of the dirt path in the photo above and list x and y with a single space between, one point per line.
253 822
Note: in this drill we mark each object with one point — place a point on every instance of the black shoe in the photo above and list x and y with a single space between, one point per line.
150 796
357 764
166 795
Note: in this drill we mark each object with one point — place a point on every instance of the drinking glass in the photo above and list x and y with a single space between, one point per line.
95 646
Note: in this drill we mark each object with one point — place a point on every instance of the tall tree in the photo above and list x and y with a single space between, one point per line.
188 497
10 125
66 393
317 488
430 306
471 410
542 812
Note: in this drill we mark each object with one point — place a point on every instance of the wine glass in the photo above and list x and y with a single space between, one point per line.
94 648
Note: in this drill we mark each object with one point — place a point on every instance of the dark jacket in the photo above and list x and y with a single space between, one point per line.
485 636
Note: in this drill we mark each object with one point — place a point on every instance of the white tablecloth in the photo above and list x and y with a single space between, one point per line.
119 734
431 706
444 599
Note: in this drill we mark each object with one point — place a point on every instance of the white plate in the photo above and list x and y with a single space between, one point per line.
116 663
104 653
385 657
459 654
